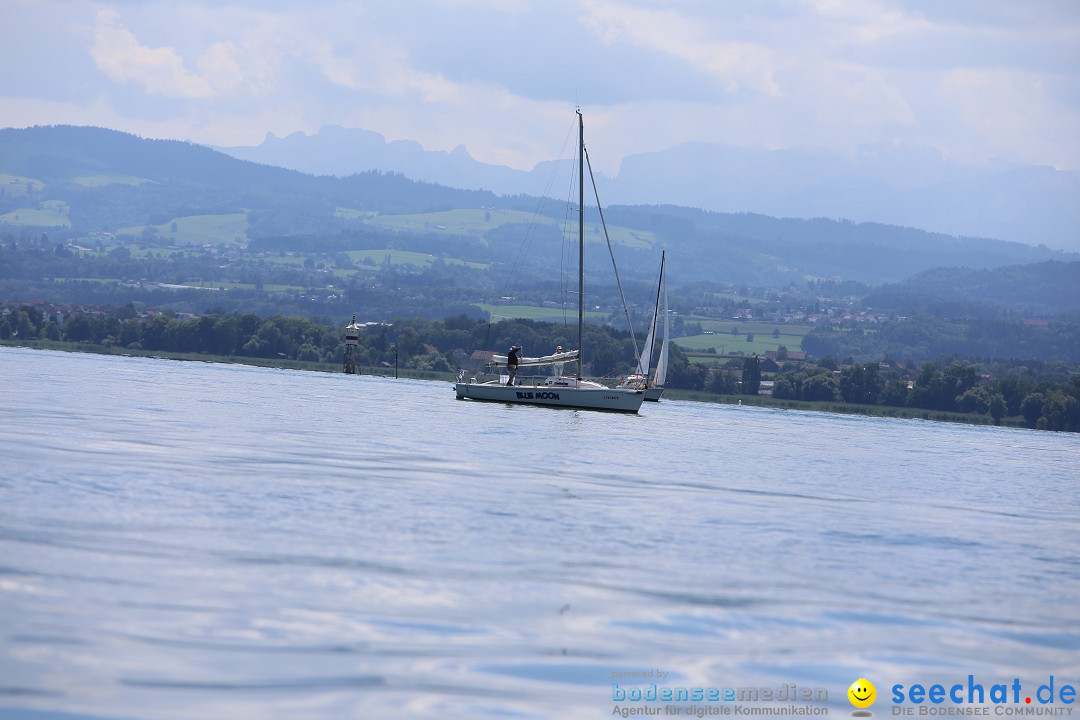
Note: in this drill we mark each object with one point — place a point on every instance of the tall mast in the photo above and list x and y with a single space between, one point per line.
581 241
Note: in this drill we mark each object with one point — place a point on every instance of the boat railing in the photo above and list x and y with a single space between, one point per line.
535 381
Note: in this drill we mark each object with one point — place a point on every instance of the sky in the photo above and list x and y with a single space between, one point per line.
980 80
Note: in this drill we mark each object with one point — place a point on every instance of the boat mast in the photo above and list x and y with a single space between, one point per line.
581 241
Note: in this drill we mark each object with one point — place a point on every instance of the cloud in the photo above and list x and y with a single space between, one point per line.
160 71
868 21
734 65
979 78
1000 108
379 68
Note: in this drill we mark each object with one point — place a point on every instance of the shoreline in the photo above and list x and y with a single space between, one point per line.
834 407
838 407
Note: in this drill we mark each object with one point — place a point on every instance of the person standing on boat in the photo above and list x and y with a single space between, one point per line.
558 366
512 363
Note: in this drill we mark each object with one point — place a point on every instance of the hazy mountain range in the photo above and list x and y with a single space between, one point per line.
76 181
906 185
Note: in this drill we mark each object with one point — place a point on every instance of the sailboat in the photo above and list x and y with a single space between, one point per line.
569 391
639 379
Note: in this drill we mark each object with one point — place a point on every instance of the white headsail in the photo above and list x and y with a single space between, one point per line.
646 356
661 363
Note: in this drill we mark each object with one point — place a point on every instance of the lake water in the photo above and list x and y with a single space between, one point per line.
189 540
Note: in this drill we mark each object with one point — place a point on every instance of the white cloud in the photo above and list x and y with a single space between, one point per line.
979 79
869 21
221 68
734 65
382 69
160 71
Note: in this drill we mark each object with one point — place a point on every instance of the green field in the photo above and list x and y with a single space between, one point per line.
227 229
725 343
734 298
403 257
475 223
351 214
375 259
94 181
117 281
533 312
451 222
138 251
285 259
14 185
52 213
724 327
222 285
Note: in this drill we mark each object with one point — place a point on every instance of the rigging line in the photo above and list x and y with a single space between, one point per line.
515 267
565 249
611 251
568 244
523 249
530 234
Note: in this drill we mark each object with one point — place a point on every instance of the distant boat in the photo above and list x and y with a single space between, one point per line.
558 390
639 379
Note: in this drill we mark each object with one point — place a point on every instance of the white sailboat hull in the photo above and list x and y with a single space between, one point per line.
560 392
653 393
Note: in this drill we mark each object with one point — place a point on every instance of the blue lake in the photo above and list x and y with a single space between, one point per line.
182 540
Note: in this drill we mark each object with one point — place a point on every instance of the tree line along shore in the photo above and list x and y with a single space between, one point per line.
1002 392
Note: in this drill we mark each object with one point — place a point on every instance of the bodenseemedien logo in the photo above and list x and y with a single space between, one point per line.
655 698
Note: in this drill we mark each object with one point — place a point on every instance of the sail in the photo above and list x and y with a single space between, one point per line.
661 363
646 354
543 360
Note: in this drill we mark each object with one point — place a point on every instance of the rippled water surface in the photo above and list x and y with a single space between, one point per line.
182 540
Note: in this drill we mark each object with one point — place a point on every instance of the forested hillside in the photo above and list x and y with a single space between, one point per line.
80 182
93 216
1040 288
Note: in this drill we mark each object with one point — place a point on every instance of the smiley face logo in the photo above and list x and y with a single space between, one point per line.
862 693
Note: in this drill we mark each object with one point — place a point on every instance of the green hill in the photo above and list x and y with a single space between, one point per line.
1044 288
80 182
